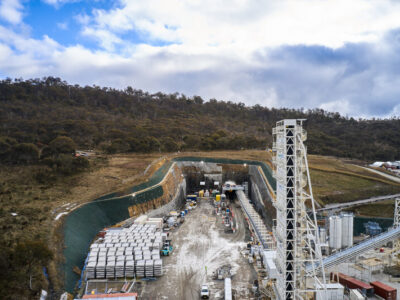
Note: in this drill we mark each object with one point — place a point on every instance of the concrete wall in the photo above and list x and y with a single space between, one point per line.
174 204
261 197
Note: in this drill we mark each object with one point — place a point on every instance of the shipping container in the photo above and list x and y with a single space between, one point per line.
352 283
228 289
271 269
384 291
331 291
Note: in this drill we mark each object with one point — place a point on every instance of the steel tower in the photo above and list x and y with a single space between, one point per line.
296 231
396 221
396 224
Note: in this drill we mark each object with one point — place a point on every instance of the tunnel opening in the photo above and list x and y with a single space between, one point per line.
211 176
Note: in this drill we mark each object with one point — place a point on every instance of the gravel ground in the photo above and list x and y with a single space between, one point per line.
200 247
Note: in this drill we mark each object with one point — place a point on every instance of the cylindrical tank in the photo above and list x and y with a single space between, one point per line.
335 232
347 229
322 235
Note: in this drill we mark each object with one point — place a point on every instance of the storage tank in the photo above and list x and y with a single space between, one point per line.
335 232
322 235
347 229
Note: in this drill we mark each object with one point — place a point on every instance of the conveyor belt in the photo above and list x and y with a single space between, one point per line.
339 206
255 220
358 249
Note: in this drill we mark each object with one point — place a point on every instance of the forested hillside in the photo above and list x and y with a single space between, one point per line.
33 113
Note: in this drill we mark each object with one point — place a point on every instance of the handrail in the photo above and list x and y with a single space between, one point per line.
240 195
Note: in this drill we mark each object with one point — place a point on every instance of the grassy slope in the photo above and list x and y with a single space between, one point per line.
335 180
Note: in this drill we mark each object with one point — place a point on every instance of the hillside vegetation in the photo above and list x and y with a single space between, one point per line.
35 112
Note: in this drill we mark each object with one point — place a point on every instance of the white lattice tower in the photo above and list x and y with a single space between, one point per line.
396 223
296 232
396 219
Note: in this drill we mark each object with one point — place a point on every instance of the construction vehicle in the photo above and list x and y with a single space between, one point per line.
167 248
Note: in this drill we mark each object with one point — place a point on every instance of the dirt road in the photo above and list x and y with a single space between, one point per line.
200 247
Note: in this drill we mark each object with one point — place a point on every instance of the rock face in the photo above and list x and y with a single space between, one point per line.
174 190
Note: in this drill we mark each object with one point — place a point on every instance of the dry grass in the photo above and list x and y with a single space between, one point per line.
345 167
337 180
382 209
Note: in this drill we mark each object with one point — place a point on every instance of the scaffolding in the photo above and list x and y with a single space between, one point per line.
295 229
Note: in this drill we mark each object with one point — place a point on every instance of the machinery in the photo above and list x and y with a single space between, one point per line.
167 248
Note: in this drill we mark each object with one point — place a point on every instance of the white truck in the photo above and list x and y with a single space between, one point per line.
204 292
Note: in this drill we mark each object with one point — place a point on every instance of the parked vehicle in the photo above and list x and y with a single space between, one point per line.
205 292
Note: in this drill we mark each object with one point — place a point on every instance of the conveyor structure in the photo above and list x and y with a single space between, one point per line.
255 220
349 253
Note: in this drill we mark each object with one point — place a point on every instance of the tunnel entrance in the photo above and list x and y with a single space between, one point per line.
230 195
211 176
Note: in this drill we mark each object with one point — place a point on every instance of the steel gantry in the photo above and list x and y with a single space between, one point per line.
296 231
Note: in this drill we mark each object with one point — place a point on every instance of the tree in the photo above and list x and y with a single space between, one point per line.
66 164
62 144
4 146
169 145
24 153
118 146
29 255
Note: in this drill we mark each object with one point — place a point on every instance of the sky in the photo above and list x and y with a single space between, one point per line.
340 55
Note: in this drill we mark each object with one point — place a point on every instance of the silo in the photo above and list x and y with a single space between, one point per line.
347 229
322 235
335 232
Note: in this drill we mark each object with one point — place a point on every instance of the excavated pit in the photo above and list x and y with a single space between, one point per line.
184 177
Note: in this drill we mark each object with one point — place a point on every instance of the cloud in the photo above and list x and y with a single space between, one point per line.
58 3
11 11
340 55
62 25
209 24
